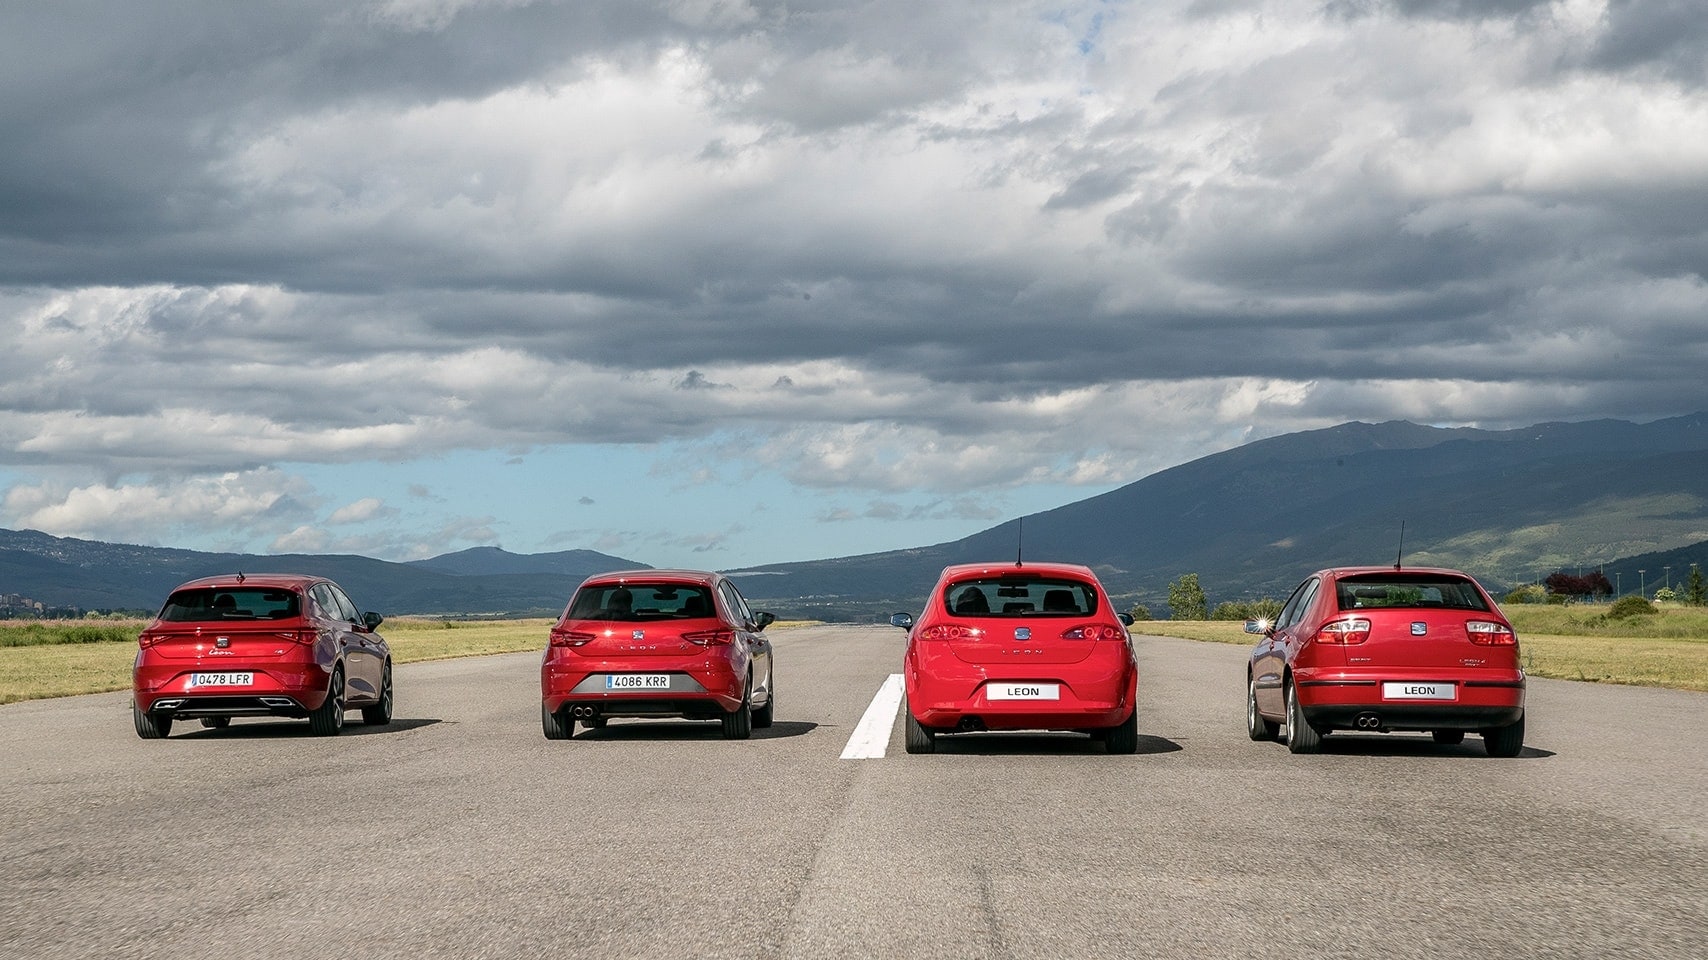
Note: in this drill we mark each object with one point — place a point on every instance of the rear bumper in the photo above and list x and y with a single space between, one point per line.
1340 699
701 692
1095 704
280 688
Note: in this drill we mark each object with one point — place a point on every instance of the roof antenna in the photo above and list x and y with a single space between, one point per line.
240 576
1401 552
1019 540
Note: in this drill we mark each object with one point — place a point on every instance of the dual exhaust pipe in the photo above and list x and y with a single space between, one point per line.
583 711
970 724
1368 721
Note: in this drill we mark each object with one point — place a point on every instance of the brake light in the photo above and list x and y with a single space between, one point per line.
1490 634
146 639
569 638
1344 631
1094 631
299 636
949 631
710 638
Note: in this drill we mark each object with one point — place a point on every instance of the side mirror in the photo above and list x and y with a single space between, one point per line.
1260 627
763 619
902 620
1125 618
372 620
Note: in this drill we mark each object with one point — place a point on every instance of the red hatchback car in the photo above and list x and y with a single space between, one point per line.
1377 649
658 643
1020 647
260 645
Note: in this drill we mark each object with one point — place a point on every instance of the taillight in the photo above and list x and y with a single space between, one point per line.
948 631
146 639
710 638
569 638
1344 631
1094 631
1490 634
304 637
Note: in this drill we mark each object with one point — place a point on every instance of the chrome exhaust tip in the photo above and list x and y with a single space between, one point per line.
970 724
1368 721
583 712
277 702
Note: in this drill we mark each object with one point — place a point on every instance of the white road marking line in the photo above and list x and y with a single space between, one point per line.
872 734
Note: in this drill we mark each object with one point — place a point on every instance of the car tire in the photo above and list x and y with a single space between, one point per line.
379 714
1257 726
1505 741
1124 737
328 718
1447 737
558 725
918 737
149 726
1301 736
738 723
764 716
216 723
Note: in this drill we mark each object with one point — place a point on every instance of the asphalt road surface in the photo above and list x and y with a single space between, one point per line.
459 831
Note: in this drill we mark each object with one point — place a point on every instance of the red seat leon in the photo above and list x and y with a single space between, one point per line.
658 643
1019 647
261 645
1379 649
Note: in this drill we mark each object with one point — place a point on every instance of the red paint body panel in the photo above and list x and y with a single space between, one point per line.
1417 628
654 642
951 680
290 648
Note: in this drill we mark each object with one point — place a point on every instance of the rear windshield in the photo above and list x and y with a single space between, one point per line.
1408 591
231 603
1020 597
641 601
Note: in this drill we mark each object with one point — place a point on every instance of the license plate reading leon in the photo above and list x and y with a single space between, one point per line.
1419 691
1023 691
222 679
638 681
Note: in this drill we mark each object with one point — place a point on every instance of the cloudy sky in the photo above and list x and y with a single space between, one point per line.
724 282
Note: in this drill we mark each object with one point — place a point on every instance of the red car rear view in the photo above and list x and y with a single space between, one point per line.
1019 647
1378 649
657 643
261 645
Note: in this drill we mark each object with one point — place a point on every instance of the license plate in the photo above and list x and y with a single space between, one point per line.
222 679
638 681
1023 691
1419 691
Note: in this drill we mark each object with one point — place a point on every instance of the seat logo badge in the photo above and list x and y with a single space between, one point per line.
1419 628
1022 633
638 635
222 642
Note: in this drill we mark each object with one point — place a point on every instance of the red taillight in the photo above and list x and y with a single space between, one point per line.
146 639
569 638
1490 634
1094 631
710 638
948 631
304 637
1344 631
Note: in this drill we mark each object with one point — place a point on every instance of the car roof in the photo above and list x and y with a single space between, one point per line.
962 571
703 577
273 580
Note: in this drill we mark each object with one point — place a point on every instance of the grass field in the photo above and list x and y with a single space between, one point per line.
1669 649
42 668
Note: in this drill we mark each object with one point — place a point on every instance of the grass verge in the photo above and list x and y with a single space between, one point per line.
68 667
1645 651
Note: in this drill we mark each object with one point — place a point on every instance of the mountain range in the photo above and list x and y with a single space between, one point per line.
1508 506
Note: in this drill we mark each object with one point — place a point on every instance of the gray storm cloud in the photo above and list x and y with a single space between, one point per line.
1018 242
